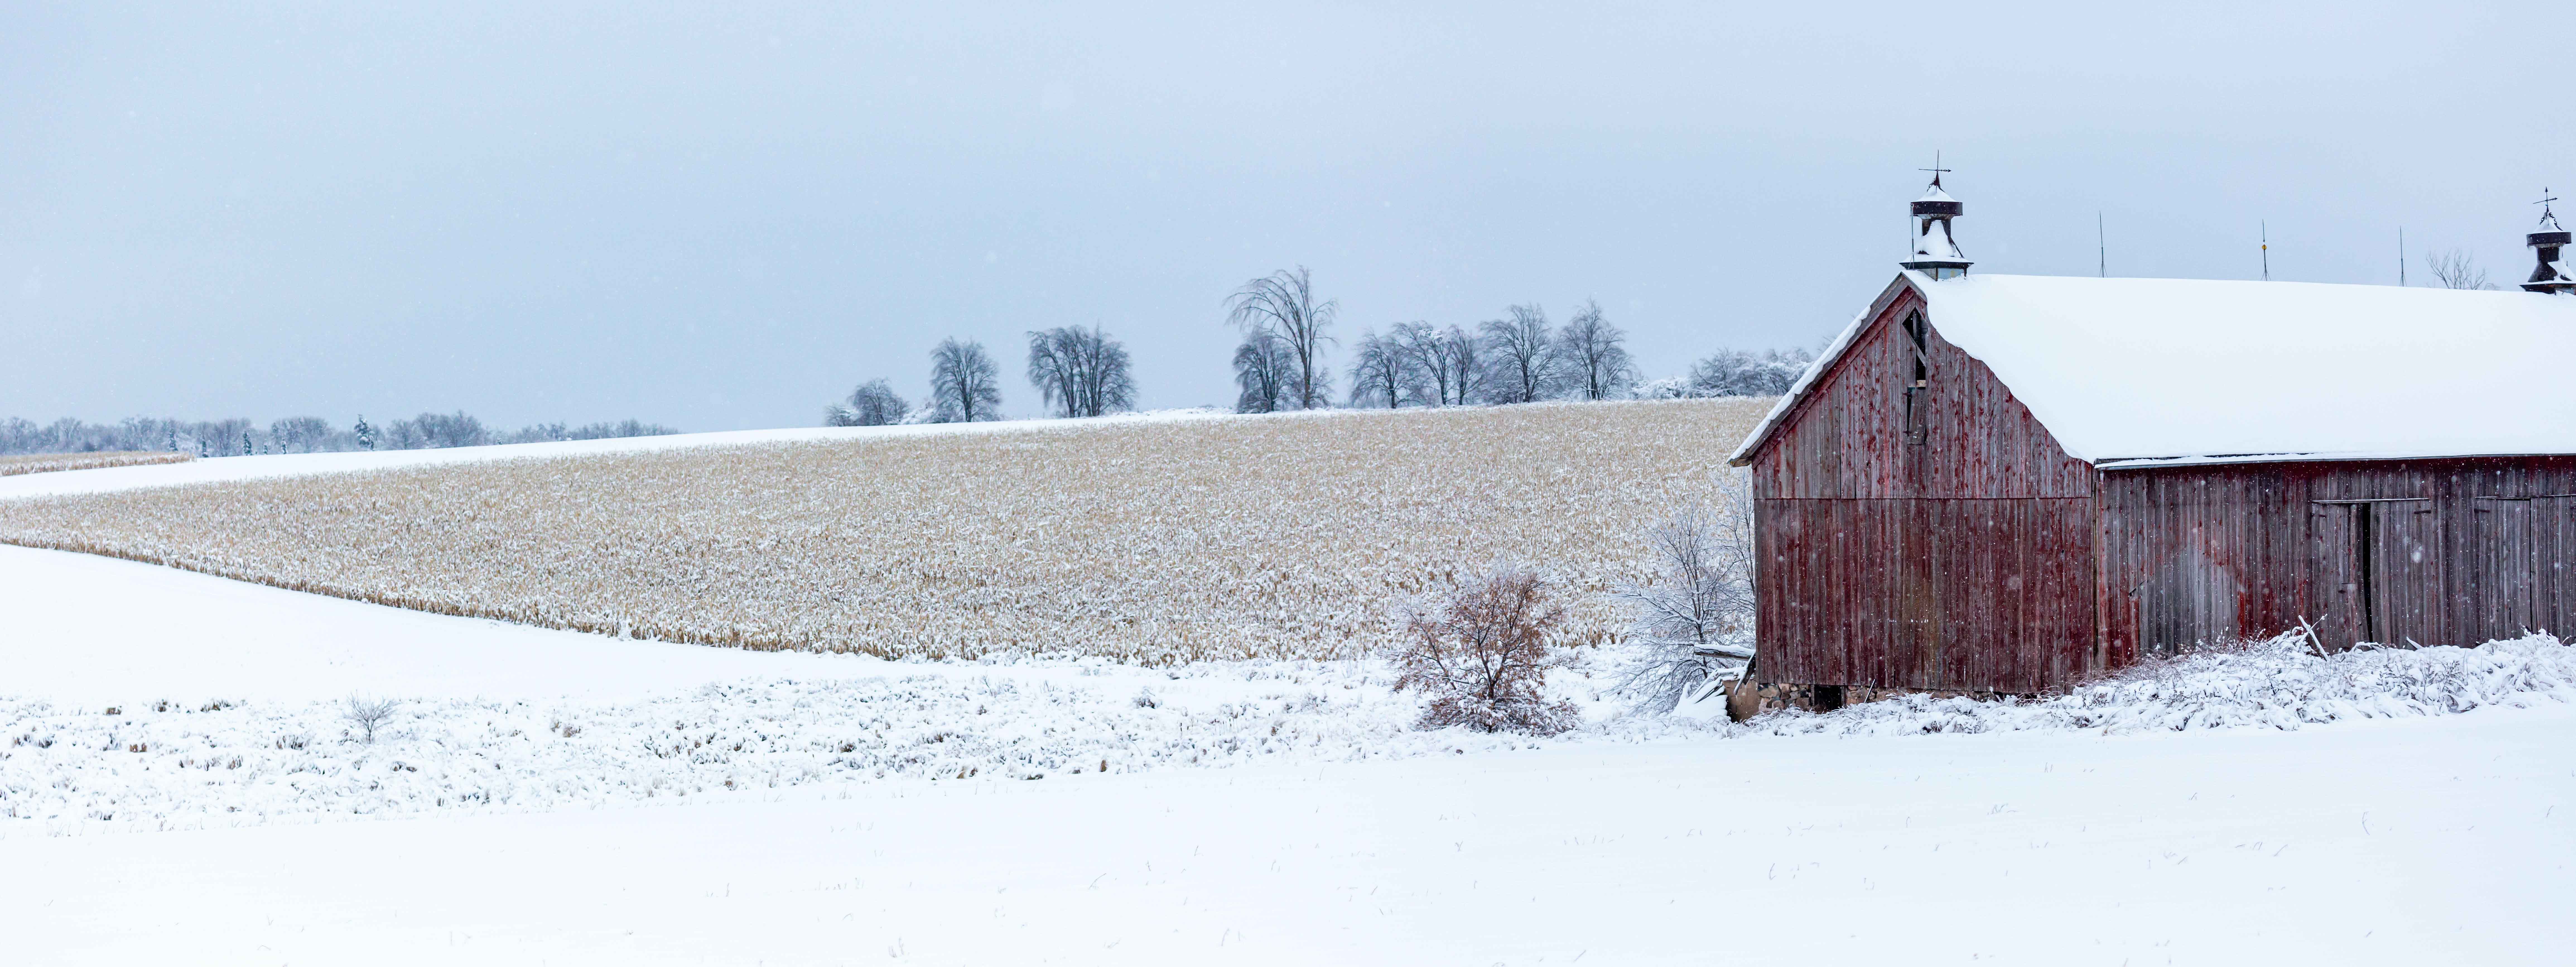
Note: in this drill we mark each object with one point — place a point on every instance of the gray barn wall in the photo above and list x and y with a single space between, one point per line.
2432 552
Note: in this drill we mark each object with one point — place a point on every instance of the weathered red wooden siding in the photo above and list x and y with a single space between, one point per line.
2447 551
1965 562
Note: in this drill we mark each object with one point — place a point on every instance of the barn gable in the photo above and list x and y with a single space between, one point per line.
1858 426
1917 527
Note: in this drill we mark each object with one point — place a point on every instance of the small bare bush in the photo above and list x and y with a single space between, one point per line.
369 714
1482 655
1694 621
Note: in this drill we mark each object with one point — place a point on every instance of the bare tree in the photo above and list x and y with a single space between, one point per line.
965 386
369 714
1482 655
1263 370
1383 373
1464 356
1283 304
1593 355
1080 372
1446 362
874 403
1521 354
1694 621
2455 270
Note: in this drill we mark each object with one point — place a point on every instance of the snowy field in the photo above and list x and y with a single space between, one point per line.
2431 841
1250 812
277 466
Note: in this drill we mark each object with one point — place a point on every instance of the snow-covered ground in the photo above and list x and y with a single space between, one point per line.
1331 834
92 632
204 702
2423 841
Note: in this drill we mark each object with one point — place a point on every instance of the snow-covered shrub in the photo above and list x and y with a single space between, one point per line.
1667 388
1694 621
1735 372
1481 654
874 403
369 714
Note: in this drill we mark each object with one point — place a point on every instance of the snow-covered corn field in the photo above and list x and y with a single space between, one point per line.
1152 543
11 466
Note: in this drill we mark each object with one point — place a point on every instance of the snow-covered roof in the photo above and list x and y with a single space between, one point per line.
2157 372
1935 193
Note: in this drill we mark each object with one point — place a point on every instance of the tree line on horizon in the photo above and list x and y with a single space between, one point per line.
294 434
1280 365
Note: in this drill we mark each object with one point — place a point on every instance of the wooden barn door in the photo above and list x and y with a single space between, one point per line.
2378 567
2406 559
2340 558
2509 538
2526 573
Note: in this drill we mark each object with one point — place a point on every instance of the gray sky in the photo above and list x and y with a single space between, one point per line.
726 218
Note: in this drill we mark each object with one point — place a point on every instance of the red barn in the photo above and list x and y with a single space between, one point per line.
2001 485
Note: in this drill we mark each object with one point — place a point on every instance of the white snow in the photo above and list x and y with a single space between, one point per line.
1934 243
553 798
220 469
2445 840
91 632
2155 369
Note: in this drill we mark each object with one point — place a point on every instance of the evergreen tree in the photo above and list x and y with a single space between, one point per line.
366 434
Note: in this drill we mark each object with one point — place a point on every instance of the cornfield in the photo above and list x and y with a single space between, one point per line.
1150 543
49 462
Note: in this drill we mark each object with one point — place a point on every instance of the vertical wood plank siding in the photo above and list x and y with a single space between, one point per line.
1985 559
1964 562
2426 551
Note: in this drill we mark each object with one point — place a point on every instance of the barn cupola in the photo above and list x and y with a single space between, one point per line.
1936 253
2551 274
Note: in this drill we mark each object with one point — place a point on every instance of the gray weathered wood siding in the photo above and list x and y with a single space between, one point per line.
2426 551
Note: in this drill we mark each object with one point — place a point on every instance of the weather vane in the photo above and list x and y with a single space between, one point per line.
2545 198
1937 170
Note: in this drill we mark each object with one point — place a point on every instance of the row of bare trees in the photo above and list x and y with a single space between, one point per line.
1520 358
1282 364
1077 371
294 434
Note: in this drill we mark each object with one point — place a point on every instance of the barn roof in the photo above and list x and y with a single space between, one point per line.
2156 372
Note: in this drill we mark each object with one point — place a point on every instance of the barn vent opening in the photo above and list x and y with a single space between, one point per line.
1918 389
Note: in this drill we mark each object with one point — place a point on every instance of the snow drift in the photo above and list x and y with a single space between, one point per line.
2281 683
223 764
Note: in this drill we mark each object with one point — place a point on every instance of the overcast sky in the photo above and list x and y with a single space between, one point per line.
724 218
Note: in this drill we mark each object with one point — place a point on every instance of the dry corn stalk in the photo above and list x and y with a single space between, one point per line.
1148 542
